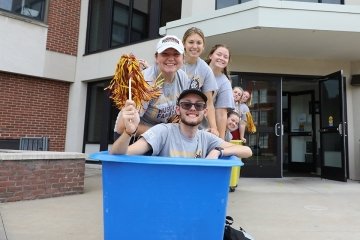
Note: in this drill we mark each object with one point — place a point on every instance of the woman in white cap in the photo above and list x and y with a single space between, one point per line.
166 72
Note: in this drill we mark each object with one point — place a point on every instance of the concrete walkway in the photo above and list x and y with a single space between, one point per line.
75 217
281 209
297 208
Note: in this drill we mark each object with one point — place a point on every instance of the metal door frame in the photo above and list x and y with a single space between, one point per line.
335 173
259 170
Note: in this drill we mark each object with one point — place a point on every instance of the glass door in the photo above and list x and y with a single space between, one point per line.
302 139
333 127
265 108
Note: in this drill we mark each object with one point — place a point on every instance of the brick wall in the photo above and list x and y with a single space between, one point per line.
33 107
35 179
63 31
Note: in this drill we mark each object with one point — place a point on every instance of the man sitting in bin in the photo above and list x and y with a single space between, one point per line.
182 139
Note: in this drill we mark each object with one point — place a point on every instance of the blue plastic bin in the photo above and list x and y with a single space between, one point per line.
158 198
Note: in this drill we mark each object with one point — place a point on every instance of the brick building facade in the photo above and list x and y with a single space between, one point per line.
63 22
33 107
36 106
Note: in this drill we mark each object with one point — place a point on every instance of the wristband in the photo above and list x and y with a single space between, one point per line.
221 150
131 134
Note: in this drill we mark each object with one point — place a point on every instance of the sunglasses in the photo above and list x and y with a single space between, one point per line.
187 106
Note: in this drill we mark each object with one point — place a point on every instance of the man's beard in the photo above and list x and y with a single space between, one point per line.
192 123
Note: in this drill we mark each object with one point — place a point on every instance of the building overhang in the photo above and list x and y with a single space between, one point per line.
284 29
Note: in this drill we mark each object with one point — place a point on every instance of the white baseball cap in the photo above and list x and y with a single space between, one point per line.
170 41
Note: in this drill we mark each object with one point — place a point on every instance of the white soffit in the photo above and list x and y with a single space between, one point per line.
280 29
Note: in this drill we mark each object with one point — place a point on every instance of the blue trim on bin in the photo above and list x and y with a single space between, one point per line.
223 162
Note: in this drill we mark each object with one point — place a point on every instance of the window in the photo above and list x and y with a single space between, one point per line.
34 9
264 118
115 23
264 140
170 11
255 116
227 3
100 115
263 95
96 97
129 23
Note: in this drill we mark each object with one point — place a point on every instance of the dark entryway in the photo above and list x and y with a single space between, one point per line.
292 115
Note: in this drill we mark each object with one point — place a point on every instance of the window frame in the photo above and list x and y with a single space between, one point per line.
25 12
97 41
130 26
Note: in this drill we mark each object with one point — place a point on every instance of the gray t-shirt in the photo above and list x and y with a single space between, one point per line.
223 97
242 109
228 136
201 76
167 140
159 110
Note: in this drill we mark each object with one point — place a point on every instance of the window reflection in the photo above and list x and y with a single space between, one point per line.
255 97
98 122
96 111
263 95
255 115
34 9
330 100
114 23
252 140
227 3
264 141
263 118
129 23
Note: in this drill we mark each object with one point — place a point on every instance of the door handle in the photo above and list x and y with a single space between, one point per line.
342 129
276 129
322 130
345 129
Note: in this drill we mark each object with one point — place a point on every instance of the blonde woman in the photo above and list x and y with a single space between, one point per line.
199 73
245 102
